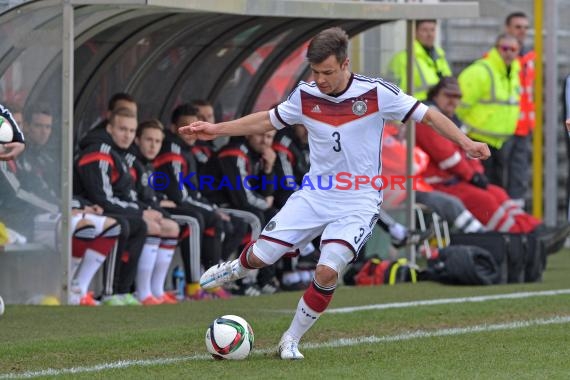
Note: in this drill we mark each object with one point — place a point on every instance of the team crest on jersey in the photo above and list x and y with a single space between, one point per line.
270 226
359 108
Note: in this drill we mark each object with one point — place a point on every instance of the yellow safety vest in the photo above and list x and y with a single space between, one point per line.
427 72
489 107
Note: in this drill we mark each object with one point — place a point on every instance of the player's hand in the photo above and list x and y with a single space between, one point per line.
11 150
478 150
200 130
268 157
568 125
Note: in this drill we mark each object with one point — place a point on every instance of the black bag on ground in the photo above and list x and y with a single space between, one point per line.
535 260
519 256
463 265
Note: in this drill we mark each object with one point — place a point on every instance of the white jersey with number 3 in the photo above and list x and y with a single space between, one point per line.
345 132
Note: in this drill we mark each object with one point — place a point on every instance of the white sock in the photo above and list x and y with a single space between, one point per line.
160 271
304 318
75 262
92 261
145 268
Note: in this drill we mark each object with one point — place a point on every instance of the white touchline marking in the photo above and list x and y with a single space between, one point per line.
437 301
444 301
441 332
331 344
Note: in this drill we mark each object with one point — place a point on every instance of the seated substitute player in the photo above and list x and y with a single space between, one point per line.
344 114
94 238
104 178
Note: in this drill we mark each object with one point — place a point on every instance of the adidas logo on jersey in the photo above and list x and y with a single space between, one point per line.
316 109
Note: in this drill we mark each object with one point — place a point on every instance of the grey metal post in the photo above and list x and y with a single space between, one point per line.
551 125
410 138
67 144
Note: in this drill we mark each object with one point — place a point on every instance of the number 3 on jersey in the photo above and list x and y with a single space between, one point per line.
336 136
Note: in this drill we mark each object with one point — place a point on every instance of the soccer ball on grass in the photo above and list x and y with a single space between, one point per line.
229 337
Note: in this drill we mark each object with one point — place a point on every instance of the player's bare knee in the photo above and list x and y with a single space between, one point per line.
326 276
169 228
153 228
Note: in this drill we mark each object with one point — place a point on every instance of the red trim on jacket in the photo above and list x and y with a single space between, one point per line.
90 158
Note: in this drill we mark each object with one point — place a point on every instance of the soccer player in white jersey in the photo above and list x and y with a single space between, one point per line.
344 114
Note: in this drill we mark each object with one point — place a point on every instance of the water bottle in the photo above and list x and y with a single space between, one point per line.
178 282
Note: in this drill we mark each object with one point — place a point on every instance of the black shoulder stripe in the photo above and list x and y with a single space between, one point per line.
387 85
390 85
410 112
280 118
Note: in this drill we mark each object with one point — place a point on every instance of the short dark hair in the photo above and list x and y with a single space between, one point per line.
200 103
332 41
118 97
185 109
419 22
149 124
445 83
513 15
37 108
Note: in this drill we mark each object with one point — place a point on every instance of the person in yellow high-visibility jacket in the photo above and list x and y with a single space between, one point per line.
489 108
430 64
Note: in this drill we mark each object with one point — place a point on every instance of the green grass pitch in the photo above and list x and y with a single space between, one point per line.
467 340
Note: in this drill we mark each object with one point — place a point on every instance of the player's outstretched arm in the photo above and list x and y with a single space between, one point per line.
253 124
449 130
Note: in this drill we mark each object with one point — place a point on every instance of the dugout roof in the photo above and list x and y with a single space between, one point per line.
163 51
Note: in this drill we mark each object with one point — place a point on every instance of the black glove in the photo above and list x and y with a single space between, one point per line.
480 180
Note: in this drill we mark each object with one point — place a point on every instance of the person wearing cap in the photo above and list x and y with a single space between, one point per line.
490 101
430 63
451 171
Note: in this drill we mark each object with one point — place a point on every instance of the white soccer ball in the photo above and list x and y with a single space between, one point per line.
1 306
229 337
6 132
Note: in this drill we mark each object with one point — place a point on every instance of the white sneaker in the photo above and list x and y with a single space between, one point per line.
289 348
222 273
